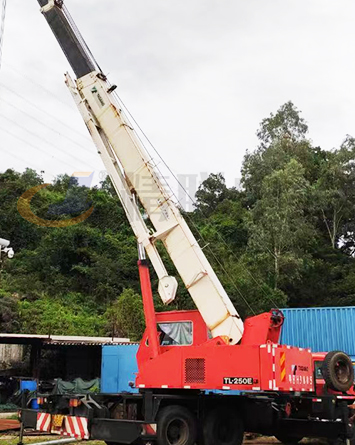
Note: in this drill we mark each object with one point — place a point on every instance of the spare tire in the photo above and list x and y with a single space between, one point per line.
338 371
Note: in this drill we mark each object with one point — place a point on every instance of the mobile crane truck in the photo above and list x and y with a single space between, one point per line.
204 376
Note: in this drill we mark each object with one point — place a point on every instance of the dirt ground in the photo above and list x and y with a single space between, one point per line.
13 440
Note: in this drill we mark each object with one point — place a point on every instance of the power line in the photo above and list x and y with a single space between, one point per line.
17 157
29 143
43 140
37 84
49 128
44 111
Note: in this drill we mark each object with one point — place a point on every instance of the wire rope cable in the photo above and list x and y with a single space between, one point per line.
79 36
230 279
260 285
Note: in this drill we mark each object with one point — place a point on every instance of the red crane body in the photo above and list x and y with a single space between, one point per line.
190 360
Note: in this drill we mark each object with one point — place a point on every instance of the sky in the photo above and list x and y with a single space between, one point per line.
198 76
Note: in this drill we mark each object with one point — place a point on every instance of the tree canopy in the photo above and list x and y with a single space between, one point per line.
286 238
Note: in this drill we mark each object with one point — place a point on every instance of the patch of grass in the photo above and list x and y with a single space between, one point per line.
11 417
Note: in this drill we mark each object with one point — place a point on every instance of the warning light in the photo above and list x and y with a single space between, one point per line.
74 403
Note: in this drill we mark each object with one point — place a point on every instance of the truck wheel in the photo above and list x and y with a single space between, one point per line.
176 426
288 440
338 371
223 426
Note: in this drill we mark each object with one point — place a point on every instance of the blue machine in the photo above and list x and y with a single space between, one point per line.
30 385
322 329
118 368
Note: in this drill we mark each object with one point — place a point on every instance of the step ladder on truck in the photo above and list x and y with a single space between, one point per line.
204 376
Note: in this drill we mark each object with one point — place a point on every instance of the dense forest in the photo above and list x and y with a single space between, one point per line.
286 238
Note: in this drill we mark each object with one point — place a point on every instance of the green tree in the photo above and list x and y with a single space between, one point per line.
282 138
212 192
49 316
286 123
9 320
334 193
279 230
125 317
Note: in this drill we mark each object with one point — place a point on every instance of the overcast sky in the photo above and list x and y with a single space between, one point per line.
198 75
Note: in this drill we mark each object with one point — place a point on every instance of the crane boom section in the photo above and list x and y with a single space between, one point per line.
132 173
67 36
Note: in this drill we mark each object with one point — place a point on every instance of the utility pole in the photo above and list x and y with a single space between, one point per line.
2 26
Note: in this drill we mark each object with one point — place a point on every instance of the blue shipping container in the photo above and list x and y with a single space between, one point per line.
118 368
322 329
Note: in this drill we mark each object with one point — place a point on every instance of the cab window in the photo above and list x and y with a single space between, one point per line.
175 334
318 369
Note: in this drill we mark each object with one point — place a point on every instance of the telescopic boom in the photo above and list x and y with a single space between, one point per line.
134 178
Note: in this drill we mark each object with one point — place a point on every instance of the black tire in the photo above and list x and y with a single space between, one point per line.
176 426
223 426
338 371
288 439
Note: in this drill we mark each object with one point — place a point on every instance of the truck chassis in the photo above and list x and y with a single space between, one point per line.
188 417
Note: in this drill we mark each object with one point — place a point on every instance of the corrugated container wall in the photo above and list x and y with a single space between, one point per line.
322 329
118 368
10 355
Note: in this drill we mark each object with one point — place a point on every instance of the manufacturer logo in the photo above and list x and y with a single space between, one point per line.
24 206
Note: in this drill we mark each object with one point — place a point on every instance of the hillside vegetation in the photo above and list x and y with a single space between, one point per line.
287 238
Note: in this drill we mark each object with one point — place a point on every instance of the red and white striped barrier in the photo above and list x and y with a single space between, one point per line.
150 429
71 426
44 422
76 427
